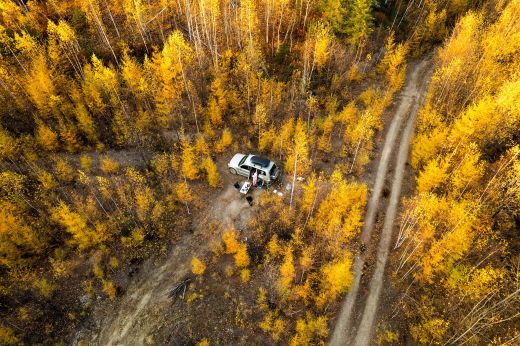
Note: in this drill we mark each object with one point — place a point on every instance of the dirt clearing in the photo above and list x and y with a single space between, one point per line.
139 312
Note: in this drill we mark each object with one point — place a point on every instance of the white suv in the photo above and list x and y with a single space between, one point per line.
245 165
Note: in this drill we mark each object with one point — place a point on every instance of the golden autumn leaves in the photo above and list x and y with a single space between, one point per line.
456 229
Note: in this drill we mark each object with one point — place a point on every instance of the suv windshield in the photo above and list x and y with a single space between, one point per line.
272 170
242 160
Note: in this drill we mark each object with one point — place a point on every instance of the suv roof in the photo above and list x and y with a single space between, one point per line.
260 161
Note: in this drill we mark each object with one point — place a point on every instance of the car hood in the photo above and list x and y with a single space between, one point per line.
236 160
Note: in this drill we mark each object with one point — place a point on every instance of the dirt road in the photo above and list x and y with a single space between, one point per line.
409 104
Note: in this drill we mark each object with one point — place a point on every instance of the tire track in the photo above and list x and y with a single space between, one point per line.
343 327
369 313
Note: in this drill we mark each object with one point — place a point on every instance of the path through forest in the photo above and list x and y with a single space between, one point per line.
409 104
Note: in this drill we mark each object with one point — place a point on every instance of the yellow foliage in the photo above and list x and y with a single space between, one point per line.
431 137
303 292
82 235
23 314
64 171
432 176
183 192
225 141
203 342
7 336
160 163
267 322
298 161
144 199
273 324
241 256
169 66
310 331
137 236
429 331
230 240
104 187
211 171
354 74
88 287
261 300
394 63
245 275
40 86
208 131
201 147
17 237
468 172
86 123
85 163
309 194
189 165
12 183
98 271
306 259
193 297
475 283
267 139
283 141
324 142
25 43
214 112
287 271
109 289
388 337
108 165
134 76
339 216
46 138
322 37
260 118
63 31
274 248
7 143
69 136
61 268
197 266
45 287
47 180
336 278
158 211
217 249
459 218
113 262
368 96
278 328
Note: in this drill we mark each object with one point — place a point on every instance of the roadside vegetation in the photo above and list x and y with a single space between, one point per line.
457 255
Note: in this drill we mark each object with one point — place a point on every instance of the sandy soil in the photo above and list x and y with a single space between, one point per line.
408 107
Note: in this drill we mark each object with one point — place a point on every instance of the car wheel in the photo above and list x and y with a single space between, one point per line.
233 171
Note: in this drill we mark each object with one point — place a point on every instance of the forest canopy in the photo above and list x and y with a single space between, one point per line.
117 119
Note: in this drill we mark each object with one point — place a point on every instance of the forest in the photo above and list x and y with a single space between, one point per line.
118 119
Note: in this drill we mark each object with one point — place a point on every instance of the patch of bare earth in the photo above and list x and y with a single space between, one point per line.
144 315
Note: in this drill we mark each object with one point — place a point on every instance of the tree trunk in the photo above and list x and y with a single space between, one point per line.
294 179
